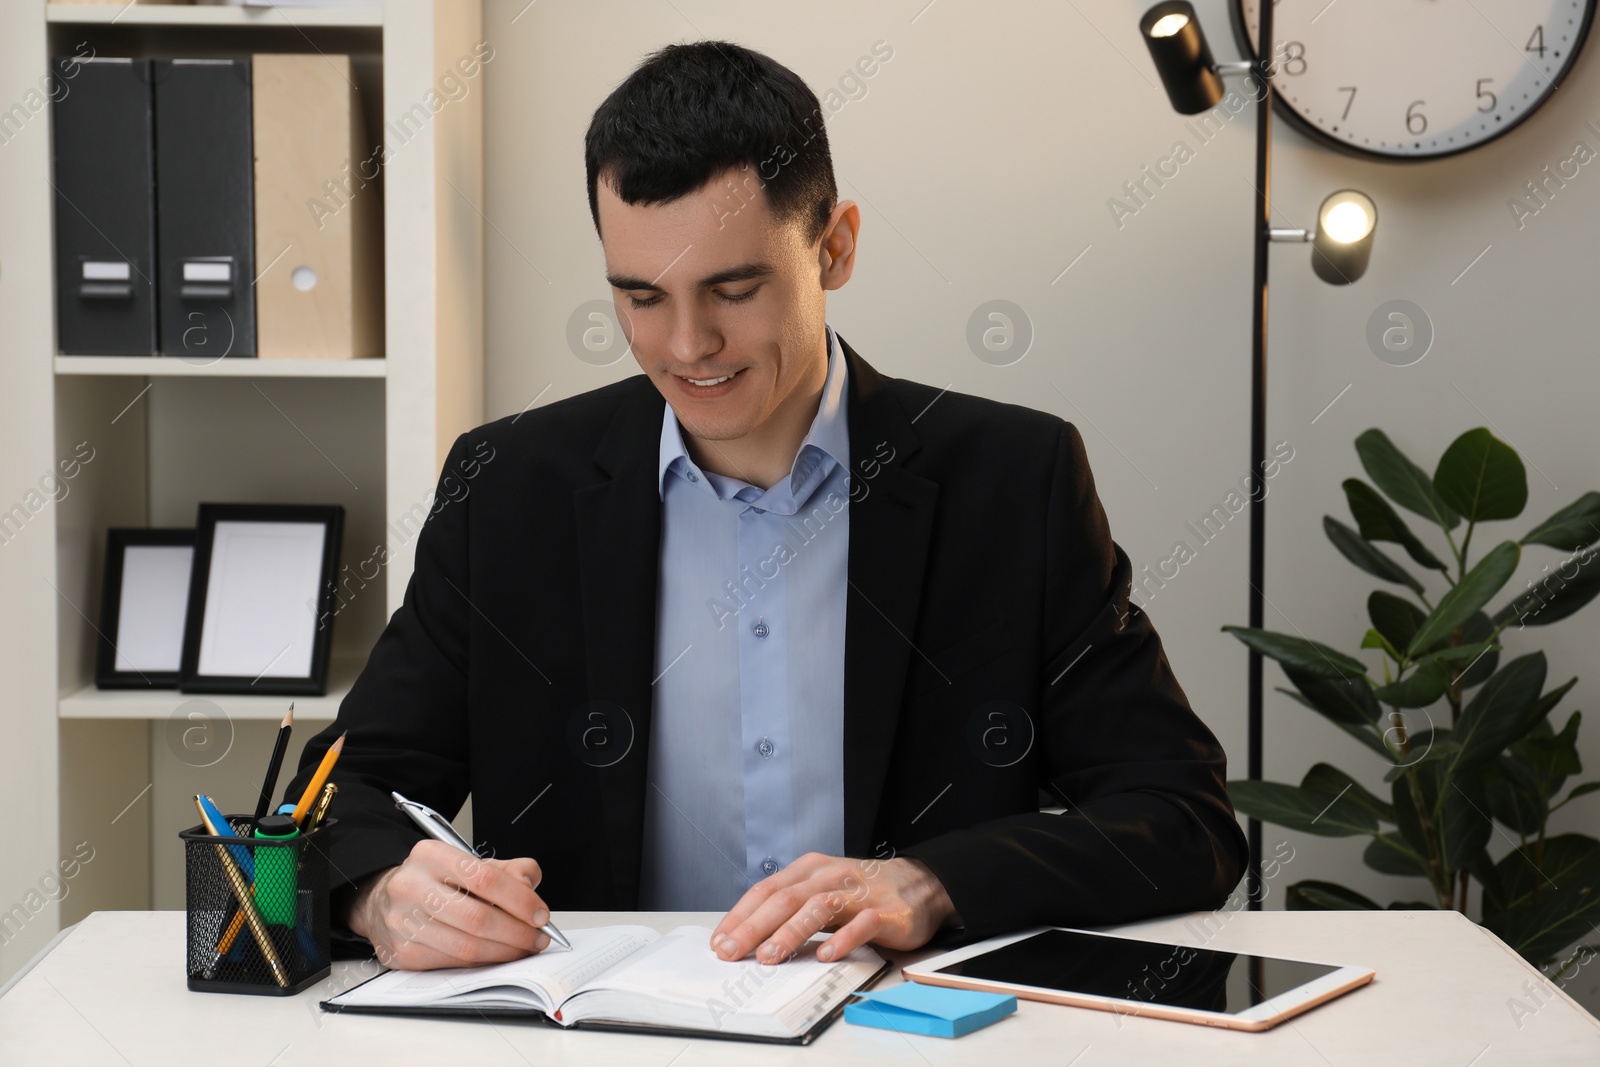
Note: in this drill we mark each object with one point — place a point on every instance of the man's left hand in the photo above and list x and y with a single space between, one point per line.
896 903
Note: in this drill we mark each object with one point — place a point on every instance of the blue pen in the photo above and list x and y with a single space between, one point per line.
221 827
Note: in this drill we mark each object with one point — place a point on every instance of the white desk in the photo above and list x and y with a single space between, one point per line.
113 992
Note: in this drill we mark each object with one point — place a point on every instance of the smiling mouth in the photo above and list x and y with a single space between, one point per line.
710 381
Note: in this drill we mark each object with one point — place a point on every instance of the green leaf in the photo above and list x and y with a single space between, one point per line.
1377 521
1298 652
1464 598
1326 896
1455 654
1460 822
1552 756
1568 902
1301 809
1511 791
1340 702
1428 746
1502 711
1390 854
1364 555
1583 790
1396 618
1325 778
1421 687
1482 477
1476 631
1556 595
1402 480
1572 527
1463 820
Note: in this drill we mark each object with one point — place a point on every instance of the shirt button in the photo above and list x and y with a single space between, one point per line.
769 866
693 477
760 629
766 748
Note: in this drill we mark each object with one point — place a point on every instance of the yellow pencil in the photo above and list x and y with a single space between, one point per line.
247 906
314 786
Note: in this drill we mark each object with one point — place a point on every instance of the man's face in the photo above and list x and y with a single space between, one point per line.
712 285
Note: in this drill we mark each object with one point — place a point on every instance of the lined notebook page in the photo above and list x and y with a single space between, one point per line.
556 971
679 981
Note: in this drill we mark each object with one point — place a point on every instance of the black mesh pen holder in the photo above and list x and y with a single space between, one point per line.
277 943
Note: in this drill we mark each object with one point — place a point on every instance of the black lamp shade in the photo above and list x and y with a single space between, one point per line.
1182 58
1342 243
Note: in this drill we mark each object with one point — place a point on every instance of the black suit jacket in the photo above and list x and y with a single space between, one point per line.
990 651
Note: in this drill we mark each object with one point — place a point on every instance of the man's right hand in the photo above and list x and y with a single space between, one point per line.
445 908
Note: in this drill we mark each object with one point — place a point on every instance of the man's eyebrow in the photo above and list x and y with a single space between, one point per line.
740 273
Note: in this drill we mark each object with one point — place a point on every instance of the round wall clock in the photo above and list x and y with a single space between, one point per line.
1415 79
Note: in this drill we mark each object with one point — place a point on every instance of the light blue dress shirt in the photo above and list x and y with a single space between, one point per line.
746 763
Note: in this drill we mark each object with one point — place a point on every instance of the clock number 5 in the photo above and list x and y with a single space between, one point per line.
1416 121
1482 92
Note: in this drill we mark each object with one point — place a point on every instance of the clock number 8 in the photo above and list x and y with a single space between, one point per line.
1294 52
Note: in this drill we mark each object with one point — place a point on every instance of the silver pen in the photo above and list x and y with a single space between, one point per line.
438 827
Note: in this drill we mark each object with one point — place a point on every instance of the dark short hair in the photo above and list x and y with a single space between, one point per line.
692 111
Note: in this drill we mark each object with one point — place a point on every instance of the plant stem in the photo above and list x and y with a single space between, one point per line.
1437 874
1462 907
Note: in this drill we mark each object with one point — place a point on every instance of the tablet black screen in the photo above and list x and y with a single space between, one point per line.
1141 971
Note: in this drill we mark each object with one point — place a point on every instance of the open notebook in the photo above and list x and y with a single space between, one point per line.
633 978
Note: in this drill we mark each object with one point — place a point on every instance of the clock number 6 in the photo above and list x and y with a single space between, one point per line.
1416 121
1482 92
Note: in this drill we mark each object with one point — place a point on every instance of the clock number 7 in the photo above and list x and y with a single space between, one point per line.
1351 89
1482 92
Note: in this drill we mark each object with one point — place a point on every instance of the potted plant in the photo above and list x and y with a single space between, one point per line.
1472 757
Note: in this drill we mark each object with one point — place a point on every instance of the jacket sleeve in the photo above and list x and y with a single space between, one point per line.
1147 827
405 719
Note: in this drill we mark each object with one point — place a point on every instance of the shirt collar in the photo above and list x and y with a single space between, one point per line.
828 436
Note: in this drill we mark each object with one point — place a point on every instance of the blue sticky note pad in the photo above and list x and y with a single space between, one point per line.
929 1009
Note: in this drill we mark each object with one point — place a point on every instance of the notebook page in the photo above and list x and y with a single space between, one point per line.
550 976
679 981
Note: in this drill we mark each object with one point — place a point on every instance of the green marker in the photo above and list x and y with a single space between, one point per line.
275 871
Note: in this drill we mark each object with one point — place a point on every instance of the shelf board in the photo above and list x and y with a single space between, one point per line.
92 703
171 367
191 15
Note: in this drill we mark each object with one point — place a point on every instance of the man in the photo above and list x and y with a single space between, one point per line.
762 630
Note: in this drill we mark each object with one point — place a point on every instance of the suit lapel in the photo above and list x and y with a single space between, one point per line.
891 522
619 548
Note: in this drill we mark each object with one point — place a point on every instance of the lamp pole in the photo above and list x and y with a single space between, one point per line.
1258 434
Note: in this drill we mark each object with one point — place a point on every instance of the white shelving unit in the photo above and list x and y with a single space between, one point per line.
101 366
116 768
145 14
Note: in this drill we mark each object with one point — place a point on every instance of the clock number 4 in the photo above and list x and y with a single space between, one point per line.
1538 35
1482 92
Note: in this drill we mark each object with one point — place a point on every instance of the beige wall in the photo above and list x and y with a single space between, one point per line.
982 156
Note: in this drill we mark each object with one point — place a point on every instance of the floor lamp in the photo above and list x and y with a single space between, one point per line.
1341 245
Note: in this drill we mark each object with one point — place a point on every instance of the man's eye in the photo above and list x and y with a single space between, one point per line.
739 298
637 303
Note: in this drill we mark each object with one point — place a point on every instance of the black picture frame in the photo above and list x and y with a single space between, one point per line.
113 593
230 593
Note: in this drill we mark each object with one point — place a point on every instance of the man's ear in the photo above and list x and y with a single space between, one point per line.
836 253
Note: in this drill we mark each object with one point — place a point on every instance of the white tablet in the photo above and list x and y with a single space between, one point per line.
1133 976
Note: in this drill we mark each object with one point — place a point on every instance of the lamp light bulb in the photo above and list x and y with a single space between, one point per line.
1346 222
1167 25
